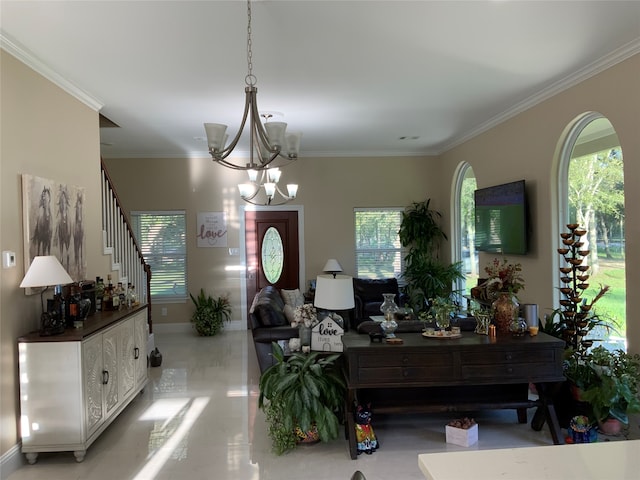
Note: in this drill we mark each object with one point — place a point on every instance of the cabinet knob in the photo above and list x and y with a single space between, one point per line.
405 360
136 353
405 373
105 377
509 370
508 356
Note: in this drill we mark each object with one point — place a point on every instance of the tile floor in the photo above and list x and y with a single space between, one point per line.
198 419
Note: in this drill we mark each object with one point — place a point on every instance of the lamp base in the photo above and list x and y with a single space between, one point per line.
50 325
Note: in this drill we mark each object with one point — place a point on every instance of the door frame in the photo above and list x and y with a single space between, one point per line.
243 248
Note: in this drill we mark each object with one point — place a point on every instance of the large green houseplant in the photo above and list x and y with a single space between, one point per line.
426 276
210 314
609 382
304 391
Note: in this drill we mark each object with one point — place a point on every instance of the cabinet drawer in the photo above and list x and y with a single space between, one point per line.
506 370
398 375
509 356
401 359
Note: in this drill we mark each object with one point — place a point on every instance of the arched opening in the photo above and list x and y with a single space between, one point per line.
591 194
463 227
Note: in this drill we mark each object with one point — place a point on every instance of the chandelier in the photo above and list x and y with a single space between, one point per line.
267 142
265 191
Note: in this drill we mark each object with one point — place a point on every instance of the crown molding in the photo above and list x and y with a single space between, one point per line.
626 51
32 61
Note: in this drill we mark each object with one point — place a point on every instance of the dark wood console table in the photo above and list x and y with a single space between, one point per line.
474 372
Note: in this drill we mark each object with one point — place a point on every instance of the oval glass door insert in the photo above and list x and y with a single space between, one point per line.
272 255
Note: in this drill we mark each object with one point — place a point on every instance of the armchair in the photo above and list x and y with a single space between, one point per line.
368 296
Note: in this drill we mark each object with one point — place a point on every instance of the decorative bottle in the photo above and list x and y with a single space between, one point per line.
389 309
99 293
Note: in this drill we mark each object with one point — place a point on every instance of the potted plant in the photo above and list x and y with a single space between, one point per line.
304 392
210 314
426 276
609 382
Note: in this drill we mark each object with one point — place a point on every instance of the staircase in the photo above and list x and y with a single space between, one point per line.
120 243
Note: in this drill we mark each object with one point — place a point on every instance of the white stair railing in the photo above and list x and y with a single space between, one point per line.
119 242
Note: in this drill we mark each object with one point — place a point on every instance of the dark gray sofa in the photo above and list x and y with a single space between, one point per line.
269 324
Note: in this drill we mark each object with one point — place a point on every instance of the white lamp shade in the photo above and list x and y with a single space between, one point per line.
253 175
215 135
270 189
334 293
293 143
246 190
292 190
45 271
273 175
332 265
276 132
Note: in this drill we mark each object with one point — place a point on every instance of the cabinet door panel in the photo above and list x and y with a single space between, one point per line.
126 361
141 339
110 357
92 363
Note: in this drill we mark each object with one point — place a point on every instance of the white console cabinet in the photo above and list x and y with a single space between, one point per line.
72 386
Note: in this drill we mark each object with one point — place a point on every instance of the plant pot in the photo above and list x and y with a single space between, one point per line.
576 392
308 437
611 426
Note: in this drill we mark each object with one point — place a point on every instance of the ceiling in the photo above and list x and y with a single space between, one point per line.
354 76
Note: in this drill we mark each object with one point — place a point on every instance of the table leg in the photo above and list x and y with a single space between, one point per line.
547 412
351 424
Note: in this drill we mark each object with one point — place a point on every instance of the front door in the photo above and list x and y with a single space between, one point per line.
272 251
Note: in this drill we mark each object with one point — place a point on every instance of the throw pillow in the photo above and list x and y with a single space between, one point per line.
292 297
289 313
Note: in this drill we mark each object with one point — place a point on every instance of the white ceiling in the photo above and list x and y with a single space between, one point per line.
353 76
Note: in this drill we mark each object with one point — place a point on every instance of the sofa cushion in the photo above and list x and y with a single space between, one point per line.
268 308
292 297
289 313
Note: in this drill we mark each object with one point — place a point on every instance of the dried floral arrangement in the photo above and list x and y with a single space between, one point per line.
465 423
503 277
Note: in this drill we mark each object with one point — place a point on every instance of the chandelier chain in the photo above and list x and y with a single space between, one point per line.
250 79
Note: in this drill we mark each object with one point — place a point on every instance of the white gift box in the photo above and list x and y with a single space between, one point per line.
461 436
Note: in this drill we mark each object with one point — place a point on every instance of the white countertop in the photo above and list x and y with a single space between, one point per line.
614 460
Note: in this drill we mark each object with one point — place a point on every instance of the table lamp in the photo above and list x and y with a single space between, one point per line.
332 266
334 292
46 271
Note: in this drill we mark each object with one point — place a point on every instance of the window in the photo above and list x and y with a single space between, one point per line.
162 238
463 227
378 250
591 182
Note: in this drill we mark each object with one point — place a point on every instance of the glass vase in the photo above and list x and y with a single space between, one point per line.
304 333
505 310
443 319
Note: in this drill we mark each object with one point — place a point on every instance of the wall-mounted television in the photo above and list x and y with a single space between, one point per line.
501 218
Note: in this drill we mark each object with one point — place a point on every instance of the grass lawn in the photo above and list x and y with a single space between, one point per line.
613 304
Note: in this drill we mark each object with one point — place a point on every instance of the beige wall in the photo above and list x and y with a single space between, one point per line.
46 132
528 146
328 200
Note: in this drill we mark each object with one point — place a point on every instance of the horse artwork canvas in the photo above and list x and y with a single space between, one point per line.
53 220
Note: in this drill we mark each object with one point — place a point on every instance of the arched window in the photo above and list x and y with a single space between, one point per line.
463 227
591 194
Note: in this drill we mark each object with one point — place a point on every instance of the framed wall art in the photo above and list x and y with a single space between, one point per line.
53 223
212 229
